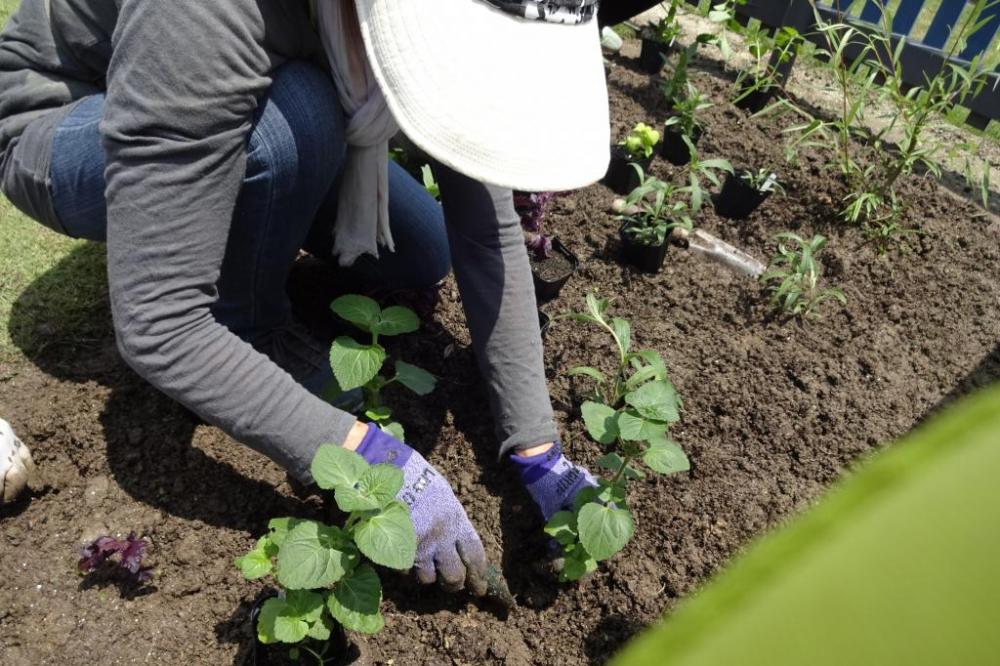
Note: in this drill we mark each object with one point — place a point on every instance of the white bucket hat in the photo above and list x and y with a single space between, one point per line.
509 92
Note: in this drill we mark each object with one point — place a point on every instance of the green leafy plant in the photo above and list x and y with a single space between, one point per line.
640 141
668 28
884 126
793 276
698 170
654 208
684 116
762 180
431 185
357 365
629 411
722 14
767 54
325 572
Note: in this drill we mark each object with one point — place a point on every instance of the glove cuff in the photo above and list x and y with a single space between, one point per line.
378 447
532 468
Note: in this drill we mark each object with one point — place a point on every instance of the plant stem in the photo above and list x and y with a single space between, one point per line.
621 470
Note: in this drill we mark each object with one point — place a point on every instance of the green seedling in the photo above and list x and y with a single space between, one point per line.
767 54
685 112
762 180
430 184
325 572
629 411
357 365
668 28
640 142
793 276
654 208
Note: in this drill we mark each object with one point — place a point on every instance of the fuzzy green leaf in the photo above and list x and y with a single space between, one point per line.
278 529
378 414
600 421
395 429
656 401
611 462
593 373
623 331
396 320
257 563
355 601
322 629
562 527
577 564
336 467
353 363
604 530
381 482
387 538
361 311
350 500
635 428
291 619
416 379
314 556
666 457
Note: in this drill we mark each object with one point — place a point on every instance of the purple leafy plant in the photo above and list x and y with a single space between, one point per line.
531 208
130 552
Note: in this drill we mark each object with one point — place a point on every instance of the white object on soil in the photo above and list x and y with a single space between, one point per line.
17 469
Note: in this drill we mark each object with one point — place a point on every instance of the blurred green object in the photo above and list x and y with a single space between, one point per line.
899 564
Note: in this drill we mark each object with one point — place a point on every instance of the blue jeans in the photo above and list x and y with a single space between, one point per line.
288 201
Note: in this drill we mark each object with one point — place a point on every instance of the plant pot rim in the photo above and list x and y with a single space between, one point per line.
569 255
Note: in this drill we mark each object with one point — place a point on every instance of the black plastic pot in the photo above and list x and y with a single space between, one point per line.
756 100
548 286
647 258
738 198
674 149
652 54
621 177
339 650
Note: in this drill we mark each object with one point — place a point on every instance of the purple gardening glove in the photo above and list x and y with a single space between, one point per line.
552 480
448 548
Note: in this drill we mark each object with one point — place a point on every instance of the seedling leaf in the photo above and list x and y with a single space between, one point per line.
634 428
593 373
353 363
361 311
416 379
396 320
578 563
666 457
355 601
336 467
382 483
604 530
562 527
388 538
600 421
257 563
656 401
314 555
611 462
395 429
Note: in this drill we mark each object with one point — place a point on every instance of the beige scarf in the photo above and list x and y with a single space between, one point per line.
363 208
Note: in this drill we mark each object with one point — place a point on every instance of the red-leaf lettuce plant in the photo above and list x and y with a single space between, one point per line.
629 411
129 551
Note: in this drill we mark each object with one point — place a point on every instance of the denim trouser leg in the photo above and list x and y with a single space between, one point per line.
295 151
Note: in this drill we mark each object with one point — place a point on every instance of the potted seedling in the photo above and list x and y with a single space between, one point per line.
636 148
652 211
683 129
358 366
657 38
552 263
757 85
744 192
629 411
324 573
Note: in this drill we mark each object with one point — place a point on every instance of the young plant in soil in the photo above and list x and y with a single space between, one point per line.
657 39
629 411
636 148
793 276
656 207
552 263
357 365
324 572
756 85
123 557
894 120
742 194
684 128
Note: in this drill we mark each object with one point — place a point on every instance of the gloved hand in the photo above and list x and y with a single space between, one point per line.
552 480
448 547
17 468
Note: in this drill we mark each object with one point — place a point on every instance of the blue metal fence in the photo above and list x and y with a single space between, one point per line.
922 56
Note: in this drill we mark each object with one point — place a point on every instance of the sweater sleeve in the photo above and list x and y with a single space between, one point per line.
183 85
494 278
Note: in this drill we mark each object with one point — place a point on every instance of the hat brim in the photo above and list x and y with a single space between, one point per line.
508 101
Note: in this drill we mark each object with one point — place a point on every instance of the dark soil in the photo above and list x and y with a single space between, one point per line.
552 268
775 411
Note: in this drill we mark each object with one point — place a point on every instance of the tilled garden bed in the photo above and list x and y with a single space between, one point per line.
775 410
